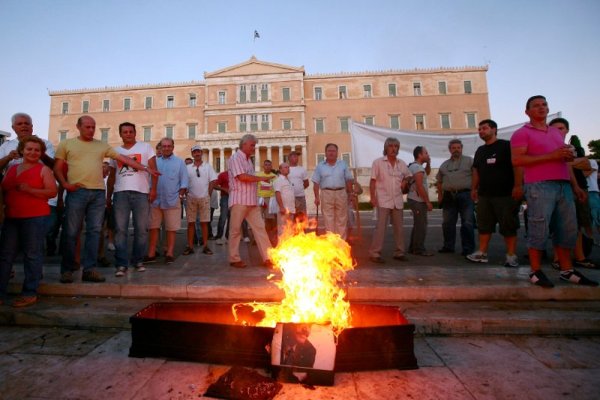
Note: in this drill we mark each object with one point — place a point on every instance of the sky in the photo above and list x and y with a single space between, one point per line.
549 47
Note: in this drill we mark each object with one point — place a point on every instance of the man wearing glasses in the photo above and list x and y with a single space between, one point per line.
202 178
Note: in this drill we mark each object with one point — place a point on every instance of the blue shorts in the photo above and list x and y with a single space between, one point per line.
551 211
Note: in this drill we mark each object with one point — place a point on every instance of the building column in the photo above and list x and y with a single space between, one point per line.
256 159
303 157
269 153
222 163
280 155
210 156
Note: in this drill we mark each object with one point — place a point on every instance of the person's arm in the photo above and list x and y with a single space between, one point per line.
305 183
577 191
517 191
47 192
419 176
279 199
246 178
373 192
520 158
316 192
134 164
153 180
110 185
582 163
474 183
211 187
59 166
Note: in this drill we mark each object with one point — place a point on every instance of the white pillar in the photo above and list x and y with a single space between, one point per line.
222 155
280 155
303 157
210 157
256 159
269 154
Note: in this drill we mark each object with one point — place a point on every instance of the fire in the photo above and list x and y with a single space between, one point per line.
313 269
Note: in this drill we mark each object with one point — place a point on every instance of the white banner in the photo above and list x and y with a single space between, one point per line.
367 142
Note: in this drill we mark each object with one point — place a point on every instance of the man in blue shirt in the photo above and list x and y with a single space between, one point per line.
332 182
171 188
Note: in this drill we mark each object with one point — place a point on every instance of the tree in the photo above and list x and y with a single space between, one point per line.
594 146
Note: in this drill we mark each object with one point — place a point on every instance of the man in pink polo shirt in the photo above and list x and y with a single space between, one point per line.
243 202
549 190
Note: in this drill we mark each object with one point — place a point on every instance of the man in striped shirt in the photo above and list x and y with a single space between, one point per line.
243 202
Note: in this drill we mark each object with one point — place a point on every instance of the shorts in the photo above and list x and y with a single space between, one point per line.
197 206
584 216
504 211
171 216
550 209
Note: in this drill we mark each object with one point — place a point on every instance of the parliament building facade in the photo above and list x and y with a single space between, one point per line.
281 105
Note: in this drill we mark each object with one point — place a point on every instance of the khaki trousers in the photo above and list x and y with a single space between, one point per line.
382 221
252 214
334 205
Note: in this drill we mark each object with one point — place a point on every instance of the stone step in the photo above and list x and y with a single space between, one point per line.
430 318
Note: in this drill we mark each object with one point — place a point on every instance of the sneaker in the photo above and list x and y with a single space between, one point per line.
477 257
148 259
140 267
24 301
92 276
121 271
111 247
188 250
66 277
221 241
511 261
585 263
575 276
206 250
246 239
555 265
539 278
169 259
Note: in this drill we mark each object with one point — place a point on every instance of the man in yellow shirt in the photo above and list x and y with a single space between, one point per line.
78 169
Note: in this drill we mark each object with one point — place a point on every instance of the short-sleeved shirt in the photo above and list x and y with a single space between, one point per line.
127 178
11 145
84 160
494 166
388 182
283 185
538 142
265 189
223 182
198 185
592 178
416 168
297 176
332 176
241 193
173 177
456 174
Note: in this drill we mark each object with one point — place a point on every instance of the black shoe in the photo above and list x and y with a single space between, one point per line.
169 259
539 278
188 250
575 276
238 264
401 258
445 250
377 260
92 276
206 250
148 259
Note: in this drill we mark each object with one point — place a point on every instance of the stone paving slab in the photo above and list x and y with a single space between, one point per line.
491 367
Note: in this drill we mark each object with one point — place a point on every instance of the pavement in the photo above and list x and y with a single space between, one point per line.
482 330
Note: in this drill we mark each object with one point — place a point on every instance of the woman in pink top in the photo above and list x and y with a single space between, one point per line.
26 187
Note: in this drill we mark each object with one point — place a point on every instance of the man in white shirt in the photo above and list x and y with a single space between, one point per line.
23 127
299 179
202 178
132 192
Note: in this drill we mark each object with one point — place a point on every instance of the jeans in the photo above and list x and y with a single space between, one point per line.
26 234
53 224
82 204
223 204
136 203
462 204
419 230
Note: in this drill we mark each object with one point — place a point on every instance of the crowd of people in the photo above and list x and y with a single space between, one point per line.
44 190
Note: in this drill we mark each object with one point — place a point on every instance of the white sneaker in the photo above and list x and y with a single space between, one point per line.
478 257
121 271
246 239
221 241
111 247
511 261
140 267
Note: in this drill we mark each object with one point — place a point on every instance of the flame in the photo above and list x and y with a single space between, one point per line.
313 269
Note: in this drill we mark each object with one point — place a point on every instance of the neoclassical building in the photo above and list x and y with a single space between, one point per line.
282 105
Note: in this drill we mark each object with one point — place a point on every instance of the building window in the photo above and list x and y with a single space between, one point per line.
442 87
445 121
147 134
105 105
420 122
471 120
127 104
264 122
104 134
222 127
342 92
392 89
242 93
344 121
320 157
370 120
85 106
319 125
264 92
63 135
395 121
222 95
148 103
417 88
170 101
318 93
367 92
192 131
285 94
169 131
468 88
242 123
65 107
192 100
286 124
347 159
253 122
253 94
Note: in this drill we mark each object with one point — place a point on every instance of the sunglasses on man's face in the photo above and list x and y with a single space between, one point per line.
197 172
